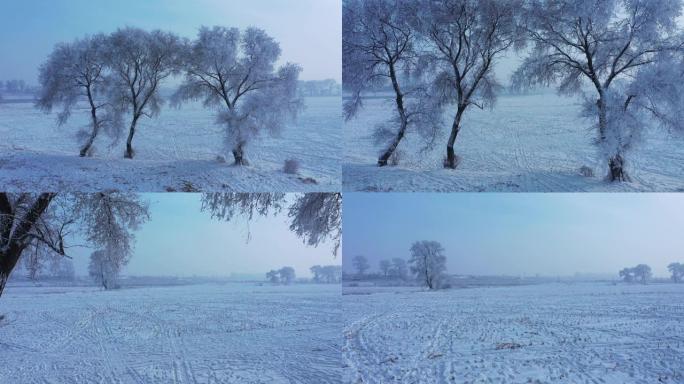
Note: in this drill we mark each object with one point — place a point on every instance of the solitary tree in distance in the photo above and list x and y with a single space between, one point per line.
235 72
642 273
428 262
104 269
140 61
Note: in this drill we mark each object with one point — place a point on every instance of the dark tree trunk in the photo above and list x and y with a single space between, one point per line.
616 163
129 141
3 280
96 126
239 154
617 169
450 161
382 161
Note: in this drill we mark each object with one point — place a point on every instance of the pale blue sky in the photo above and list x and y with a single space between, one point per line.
309 31
549 234
180 240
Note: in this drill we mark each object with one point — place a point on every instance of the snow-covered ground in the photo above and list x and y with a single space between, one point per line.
549 333
532 143
232 333
177 151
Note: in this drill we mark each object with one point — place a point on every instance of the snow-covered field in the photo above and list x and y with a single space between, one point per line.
232 333
550 333
177 151
532 143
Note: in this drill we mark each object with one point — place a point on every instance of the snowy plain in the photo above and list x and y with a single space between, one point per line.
529 143
176 151
546 333
208 334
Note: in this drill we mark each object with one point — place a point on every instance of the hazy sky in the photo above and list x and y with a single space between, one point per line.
549 234
180 240
309 31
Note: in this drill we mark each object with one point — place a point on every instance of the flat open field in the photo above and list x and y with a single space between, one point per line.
176 151
547 333
230 333
533 143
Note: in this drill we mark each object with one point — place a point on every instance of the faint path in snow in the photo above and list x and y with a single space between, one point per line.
233 333
552 333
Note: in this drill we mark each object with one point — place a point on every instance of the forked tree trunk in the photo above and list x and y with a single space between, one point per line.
450 161
382 160
239 154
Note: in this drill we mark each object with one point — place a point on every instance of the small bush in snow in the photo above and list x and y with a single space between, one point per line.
291 166
220 159
586 171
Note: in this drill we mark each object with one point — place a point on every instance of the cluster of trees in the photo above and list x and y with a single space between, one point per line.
15 86
39 264
284 275
119 76
642 273
327 274
395 268
625 57
427 264
328 87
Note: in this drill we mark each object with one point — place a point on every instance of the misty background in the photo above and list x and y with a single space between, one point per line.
309 31
519 234
181 240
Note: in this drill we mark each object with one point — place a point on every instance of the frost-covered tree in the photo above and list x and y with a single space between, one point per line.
326 273
627 274
379 46
44 220
110 219
361 264
273 276
140 61
399 268
236 73
287 275
642 273
385 266
104 268
602 45
62 268
428 262
468 36
314 217
677 271
74 72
